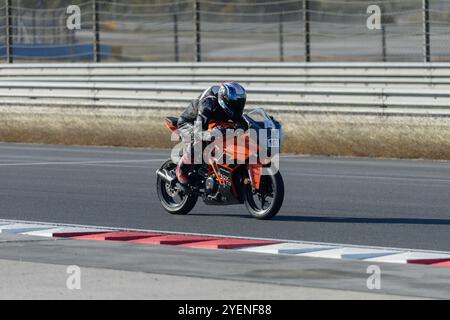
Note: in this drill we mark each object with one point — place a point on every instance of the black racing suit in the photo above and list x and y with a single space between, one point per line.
201 111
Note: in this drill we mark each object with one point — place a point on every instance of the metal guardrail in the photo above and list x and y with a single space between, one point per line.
368 66
371 88
370 74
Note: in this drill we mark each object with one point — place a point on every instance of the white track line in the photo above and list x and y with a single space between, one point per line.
82 149
29 164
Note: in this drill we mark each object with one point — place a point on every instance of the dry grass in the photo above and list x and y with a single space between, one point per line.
84 127
392 137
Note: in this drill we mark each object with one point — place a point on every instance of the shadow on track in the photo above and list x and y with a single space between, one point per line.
318 219
416 221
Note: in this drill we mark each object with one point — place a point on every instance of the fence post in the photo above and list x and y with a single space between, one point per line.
383 43
281 37
307 30
198 44
175 34
426 31
55 27
96 30
34 26
9 33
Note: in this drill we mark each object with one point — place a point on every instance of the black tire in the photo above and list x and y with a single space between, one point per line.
262 213
188 201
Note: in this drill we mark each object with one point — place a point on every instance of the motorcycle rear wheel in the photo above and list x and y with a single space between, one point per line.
256 201
174 201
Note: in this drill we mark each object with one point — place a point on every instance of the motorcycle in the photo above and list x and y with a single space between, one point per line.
248 178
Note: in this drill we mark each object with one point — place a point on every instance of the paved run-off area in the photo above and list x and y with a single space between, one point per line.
48 281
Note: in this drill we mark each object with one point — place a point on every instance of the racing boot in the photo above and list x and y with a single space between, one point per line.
183 170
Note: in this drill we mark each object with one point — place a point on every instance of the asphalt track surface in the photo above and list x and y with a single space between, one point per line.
393 203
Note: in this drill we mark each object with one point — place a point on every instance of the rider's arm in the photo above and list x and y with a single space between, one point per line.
206 111
189 115
241 123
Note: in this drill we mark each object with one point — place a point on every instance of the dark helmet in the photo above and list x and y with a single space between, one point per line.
232 98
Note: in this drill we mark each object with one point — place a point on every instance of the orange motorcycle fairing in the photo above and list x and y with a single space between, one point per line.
226 125
234 151
171 123
255 172
240 154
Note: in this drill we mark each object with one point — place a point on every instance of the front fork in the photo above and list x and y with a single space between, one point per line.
254 173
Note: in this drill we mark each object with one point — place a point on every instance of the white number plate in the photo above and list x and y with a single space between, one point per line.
273 143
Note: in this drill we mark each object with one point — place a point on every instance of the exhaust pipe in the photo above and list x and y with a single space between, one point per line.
162 173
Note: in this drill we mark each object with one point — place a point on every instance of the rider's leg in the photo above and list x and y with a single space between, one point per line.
185 164
184 168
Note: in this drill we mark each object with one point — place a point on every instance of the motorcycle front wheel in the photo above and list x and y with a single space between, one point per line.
174 200
265 203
